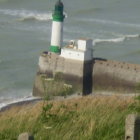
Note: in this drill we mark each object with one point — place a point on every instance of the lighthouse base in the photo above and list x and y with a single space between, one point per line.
59 76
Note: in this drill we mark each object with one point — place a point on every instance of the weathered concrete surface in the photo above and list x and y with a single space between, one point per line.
54 63
75 73
25 136
114 75
122 70
132 127
48 86
85 75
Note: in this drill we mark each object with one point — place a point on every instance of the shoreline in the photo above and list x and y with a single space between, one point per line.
27 101
35 100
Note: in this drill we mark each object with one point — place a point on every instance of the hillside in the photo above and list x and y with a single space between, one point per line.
85 118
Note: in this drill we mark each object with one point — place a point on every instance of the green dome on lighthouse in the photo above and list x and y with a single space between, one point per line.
59 4
58 11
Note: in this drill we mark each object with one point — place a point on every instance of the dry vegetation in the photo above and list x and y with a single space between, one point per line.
87 118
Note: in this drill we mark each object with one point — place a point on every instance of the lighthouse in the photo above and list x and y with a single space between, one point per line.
57 28
70 65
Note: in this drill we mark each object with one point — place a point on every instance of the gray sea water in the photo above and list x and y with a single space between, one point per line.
25 30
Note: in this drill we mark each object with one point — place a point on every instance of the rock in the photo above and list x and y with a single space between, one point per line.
25 136
132 127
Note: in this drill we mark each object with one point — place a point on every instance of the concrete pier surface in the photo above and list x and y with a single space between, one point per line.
58 74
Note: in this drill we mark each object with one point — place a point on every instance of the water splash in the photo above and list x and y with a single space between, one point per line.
24 15
116 40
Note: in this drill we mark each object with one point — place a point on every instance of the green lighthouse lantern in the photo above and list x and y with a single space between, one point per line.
58 12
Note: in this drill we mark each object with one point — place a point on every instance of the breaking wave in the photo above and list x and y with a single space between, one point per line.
132 36
115 40
8 102
24 15
101 21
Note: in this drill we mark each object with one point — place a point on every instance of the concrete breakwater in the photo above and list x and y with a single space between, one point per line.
115 75
121 70
56 73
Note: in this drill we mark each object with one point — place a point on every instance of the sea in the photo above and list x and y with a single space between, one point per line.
25 32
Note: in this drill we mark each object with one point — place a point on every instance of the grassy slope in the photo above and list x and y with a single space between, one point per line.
87 118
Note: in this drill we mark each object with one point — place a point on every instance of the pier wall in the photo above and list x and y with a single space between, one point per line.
75 73
84 75
121 70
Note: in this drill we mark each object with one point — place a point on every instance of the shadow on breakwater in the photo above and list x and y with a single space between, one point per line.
87 77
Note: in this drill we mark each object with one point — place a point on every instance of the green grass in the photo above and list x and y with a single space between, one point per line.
87 118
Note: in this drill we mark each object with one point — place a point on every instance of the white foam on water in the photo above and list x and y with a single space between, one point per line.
4 102
27 15
116 40
132 36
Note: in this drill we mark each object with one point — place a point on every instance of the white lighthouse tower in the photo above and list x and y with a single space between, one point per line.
57 28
